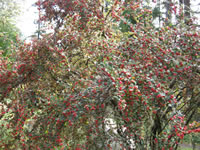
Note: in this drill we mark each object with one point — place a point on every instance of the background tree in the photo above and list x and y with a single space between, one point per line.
9 9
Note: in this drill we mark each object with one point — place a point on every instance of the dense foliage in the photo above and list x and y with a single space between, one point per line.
9 9
105 78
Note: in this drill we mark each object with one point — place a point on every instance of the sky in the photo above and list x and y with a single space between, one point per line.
29 15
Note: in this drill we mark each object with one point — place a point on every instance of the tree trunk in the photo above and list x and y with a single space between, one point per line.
193 143
187 9
168 11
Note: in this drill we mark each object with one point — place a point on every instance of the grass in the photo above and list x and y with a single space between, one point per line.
182 148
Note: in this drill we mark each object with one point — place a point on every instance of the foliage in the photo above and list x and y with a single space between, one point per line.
88 85
8 35
9 9
8 31
189 138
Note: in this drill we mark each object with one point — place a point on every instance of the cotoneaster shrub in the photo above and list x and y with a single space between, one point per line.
88 85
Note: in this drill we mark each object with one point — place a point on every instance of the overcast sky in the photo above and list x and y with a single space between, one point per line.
27 18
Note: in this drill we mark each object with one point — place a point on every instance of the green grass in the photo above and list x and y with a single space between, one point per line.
181 148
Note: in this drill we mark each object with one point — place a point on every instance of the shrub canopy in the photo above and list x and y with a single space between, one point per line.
100 80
